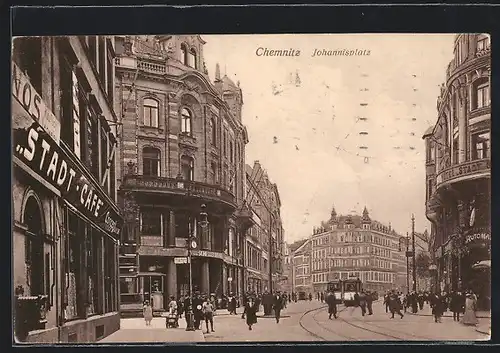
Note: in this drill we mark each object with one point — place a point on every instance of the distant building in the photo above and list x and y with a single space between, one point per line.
301 257
458 171
352 246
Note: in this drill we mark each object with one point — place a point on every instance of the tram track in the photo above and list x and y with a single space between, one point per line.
392 335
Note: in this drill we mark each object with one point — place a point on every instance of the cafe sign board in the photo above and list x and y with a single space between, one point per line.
462 170
35 150
477 237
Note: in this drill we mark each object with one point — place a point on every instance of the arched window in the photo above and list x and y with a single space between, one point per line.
184 53
192 59
480 93
150 112
187 167
150 161
34 256
186 121
214 131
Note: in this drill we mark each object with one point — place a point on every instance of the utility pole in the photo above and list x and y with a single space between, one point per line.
407 264
414 255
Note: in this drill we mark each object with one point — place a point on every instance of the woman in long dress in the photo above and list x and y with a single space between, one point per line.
470 310
251 312
148 313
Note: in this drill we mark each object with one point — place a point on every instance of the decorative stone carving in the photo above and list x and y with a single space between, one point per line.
131 168
462 93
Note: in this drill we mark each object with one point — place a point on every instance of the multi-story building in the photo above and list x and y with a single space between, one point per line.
265 239
287 280
458 170
182 150
301 261
352 246
66 224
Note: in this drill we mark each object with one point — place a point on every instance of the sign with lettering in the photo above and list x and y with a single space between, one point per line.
37 151
477 237
181 260
24 92
463 169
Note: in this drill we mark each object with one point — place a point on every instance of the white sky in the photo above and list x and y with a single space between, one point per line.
317 116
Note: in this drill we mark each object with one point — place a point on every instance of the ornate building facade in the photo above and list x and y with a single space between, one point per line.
182 149
458 171
265 239
352 246
66 222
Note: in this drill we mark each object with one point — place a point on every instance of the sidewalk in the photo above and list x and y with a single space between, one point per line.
239 311
135 330
484 318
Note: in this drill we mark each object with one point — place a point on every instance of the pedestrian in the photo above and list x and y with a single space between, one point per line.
310 297
414 303
277 306
245 298
470 318
395 305
317 296
332 305
231 304
251 311
421 300
369 302
362 302
147 311
188 307
322 297
208 313
285 300
456 305
180 307
438 306
386 302
197 311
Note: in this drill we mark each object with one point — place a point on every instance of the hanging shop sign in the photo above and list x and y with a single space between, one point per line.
36 149
474 237
464 169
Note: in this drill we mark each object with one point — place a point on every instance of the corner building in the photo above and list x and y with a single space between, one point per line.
182 146
458 178
66 224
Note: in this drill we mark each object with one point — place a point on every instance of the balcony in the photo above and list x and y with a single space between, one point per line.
483 51
464 171
173 186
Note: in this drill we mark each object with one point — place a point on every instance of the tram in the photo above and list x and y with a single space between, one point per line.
344 290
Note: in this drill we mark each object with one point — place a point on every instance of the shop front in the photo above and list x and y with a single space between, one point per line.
65 248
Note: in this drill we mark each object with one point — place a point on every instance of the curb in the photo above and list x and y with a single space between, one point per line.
418 314
483 331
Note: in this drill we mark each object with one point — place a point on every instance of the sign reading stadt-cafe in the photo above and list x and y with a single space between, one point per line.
464 169
34 149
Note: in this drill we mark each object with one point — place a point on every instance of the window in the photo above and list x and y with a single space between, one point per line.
184 54
481 145
455 151
102 60
27 54
110 77
481 96
105 153
224 142
231 155
213 132
94 257
150 112
186 121
74 266
150 161
89 138
92 46
482 42
212 175
192 59
151 222
187 168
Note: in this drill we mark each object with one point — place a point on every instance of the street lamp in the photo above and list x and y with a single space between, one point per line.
192 245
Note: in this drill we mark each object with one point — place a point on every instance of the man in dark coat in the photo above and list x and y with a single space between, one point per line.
245 299
197 310
386 302
251 311
332 305
395 305
187 308
277 305
369 302
421 300
457 304
362 302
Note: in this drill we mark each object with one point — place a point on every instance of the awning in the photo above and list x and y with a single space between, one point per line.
481 265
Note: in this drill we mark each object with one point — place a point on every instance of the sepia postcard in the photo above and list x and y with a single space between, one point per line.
251 188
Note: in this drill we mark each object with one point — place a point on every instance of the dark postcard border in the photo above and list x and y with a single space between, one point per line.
268 19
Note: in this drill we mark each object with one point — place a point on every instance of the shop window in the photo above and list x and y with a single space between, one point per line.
34 254
27 54
187 168
481 145
109 276
74 266
186 121
94 272
150 112
151 222
150 161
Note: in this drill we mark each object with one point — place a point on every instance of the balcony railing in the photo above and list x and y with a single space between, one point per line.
159 68
187 188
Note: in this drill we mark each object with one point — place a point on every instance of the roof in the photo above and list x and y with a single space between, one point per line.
228 84
294 246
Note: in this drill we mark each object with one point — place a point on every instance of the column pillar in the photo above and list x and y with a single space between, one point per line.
462 124
224 278
205 277
171 285
171 229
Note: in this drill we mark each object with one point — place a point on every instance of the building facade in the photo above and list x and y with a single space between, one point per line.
352 246
265 239
182 150
458 171
66 223
287 280
301 270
